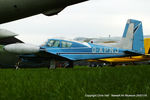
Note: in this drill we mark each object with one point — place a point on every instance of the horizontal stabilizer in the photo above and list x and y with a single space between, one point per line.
132 53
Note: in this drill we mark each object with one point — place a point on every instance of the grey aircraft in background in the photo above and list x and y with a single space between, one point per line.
11 10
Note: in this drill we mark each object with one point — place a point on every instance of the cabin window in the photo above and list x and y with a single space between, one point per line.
66 44
54 43
69 44
50 43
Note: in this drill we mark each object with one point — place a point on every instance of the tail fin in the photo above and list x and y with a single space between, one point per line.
133 36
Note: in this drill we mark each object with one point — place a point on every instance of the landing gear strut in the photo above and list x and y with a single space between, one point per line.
18 63
52 64
70 64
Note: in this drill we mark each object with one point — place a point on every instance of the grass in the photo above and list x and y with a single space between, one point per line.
73 84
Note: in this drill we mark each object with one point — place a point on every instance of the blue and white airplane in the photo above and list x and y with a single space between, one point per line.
132 43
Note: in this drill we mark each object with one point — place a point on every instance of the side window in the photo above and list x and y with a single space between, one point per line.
56 44
53 43
69 44
66 44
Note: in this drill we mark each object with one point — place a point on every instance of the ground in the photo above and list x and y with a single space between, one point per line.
75 84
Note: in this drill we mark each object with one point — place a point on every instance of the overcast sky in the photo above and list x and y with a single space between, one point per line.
95 18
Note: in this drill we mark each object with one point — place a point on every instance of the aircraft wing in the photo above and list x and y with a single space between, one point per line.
50 55
10 11
9 40
7 37
43 55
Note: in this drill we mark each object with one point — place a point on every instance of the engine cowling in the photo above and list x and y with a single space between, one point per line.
21 48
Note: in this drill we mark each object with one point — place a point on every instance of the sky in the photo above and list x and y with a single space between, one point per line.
94 18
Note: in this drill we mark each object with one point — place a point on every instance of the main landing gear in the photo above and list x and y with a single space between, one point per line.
60 64
70 64
52 64
18 63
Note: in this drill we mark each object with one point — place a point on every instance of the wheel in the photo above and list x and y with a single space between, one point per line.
52 64
18 63
112 64
71 64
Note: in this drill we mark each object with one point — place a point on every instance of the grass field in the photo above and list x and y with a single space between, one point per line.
73 84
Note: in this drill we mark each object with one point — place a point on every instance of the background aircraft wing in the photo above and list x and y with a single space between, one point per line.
8 37
9 40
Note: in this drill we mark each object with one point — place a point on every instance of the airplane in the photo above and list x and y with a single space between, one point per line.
98 40
54 50
11 10
125 60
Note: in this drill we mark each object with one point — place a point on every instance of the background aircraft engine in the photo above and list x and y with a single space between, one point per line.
21 48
